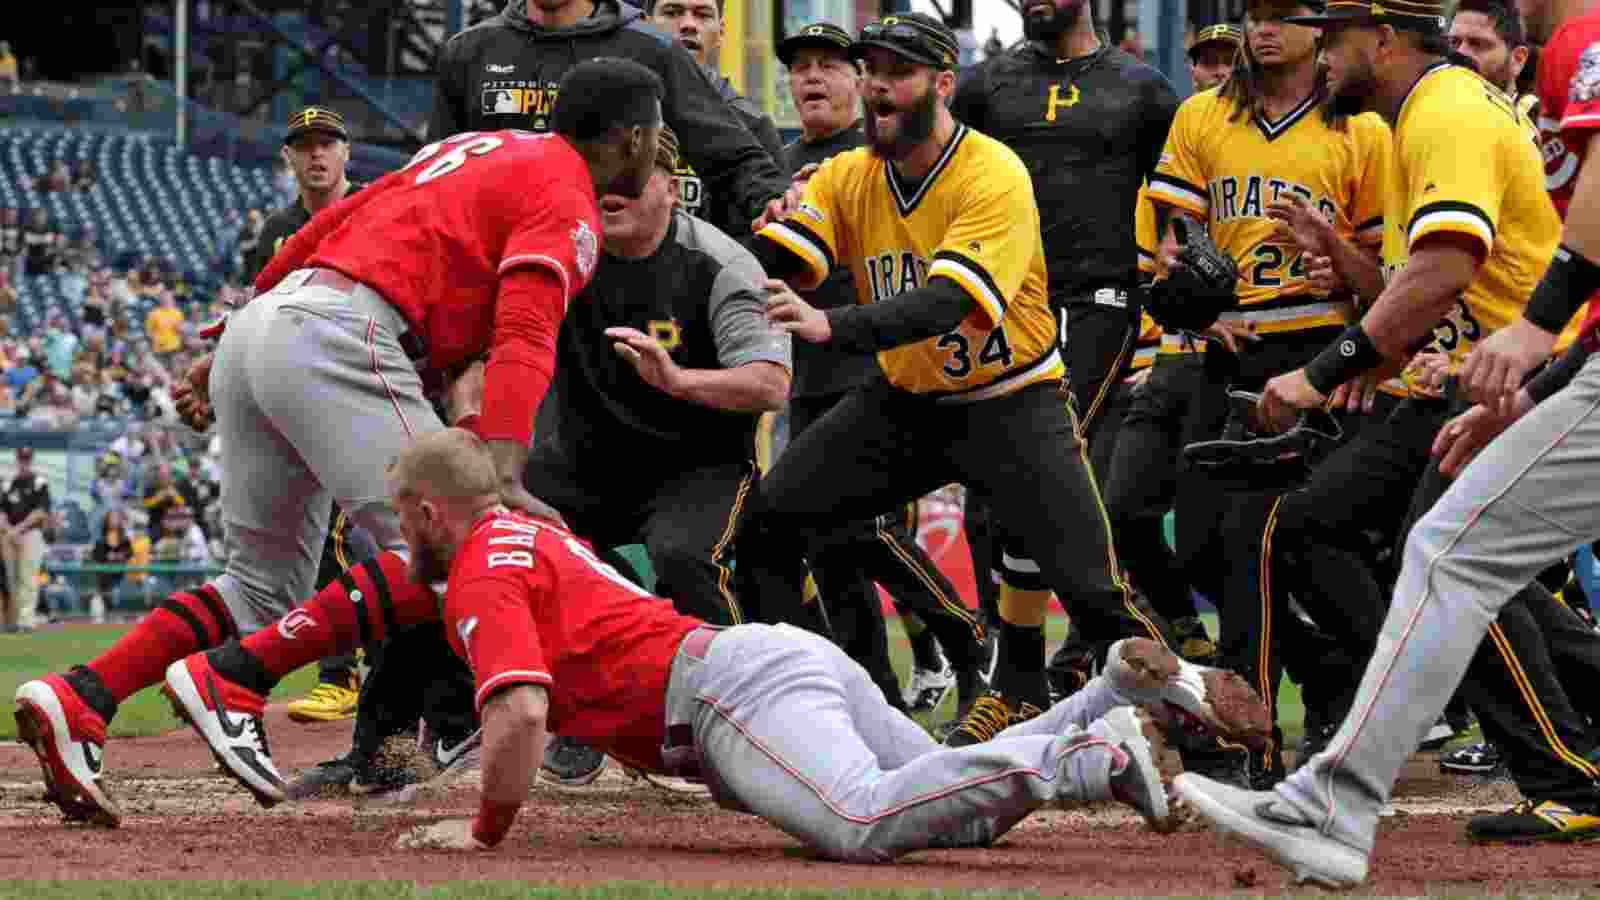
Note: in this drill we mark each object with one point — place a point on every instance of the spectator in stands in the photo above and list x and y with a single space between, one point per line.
110 489
21 372
131 447
249 238
57 180
9 77
1131 43
86 176
60 348
95 315
47 403
40 244
10 240
85 391
26 503
8 293
165 493
163 325
82 253
114 547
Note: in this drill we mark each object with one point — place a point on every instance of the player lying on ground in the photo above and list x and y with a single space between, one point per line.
775 719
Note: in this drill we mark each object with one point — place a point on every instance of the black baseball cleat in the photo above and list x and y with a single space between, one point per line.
992 713
571 763
1532 820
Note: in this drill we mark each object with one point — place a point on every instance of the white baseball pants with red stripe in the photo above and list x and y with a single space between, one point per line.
1531 498
788 727
313 399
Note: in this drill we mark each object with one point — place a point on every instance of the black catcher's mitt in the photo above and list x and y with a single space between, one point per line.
1199 287
1245 445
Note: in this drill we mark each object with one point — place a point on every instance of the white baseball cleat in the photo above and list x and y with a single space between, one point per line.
1263 819
1138 784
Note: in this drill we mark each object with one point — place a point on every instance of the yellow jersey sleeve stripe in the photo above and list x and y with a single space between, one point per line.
802 243
1450 215
1179 193
974 279
1147 261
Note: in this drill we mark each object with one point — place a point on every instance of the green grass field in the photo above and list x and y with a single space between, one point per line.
488 890
25 656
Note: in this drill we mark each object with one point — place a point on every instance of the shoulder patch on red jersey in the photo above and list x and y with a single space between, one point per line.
1585 83
585 247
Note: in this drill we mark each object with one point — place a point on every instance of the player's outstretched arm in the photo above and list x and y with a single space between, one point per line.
514 736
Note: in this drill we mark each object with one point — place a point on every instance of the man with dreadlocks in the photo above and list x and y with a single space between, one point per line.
1294 193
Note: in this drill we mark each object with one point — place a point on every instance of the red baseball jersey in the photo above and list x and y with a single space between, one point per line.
436 237
528 603
1569 108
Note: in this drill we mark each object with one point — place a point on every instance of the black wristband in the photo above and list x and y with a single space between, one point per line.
1352 354
1571 279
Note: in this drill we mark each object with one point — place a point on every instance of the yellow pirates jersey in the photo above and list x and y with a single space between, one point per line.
1464 165
973 220
1226 168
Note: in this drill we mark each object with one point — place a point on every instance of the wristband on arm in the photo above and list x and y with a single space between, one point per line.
1571 279
1352 354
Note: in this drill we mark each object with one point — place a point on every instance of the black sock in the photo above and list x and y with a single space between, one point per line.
236 664
93 691
925 650
1019 673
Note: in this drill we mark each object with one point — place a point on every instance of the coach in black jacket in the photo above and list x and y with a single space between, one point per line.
504 72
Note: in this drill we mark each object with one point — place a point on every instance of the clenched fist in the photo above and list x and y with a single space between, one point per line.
193 395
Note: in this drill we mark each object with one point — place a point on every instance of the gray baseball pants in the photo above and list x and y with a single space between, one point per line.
788 727
313 398
1529 499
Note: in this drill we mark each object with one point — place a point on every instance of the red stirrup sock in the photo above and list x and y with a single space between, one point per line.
186 622
363 604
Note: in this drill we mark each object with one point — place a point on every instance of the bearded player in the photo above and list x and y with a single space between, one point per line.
316 381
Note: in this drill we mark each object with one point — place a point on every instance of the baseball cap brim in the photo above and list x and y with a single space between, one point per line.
1335 17
789 46
328 130
859 49
1218 41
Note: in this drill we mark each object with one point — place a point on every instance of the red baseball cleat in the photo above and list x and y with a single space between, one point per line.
69 738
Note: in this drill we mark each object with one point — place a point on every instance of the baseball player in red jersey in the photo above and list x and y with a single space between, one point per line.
475 247
776 720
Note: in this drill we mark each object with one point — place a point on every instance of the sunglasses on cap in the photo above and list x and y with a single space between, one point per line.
910 38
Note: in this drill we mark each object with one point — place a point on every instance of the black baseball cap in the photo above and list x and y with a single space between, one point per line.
1220 33
818 34
915 36
1412 15
316 119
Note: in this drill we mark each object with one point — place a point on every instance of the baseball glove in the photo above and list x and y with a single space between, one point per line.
1199 286
1245 444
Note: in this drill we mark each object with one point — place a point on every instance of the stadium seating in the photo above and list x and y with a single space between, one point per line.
151 199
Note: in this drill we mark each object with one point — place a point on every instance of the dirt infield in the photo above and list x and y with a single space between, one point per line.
184 821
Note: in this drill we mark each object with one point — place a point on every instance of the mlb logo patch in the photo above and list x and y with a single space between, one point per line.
503 101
